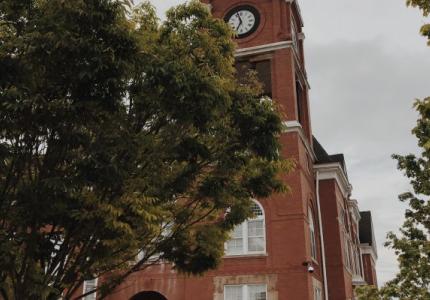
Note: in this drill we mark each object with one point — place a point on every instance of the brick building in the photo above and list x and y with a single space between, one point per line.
310 244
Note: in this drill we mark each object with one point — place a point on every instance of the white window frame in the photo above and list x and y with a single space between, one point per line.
245 236
317 290
166 231
317 293
312 235
84 291
244 288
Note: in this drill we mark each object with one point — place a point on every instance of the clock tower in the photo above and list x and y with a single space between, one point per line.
277 255
270 40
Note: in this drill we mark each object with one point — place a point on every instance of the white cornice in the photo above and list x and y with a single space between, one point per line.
367 249
336 172
243 52
263 48
295 126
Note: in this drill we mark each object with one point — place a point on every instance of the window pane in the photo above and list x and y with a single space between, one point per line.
89 286
256 210
235 246
233 292
264 74
256 228
255 244
317 294
313 245
257 292
237 232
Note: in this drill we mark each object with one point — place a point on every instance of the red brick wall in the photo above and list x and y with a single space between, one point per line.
339 279
369 270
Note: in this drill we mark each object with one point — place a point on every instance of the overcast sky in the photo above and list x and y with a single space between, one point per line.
366 64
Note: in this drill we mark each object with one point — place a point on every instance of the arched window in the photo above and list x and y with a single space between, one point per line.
312 234
250 236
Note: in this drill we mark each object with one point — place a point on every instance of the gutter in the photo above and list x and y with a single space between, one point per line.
321 237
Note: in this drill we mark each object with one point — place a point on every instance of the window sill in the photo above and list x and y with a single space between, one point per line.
244 255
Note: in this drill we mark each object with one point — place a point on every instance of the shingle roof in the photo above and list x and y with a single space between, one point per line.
323 157
366 228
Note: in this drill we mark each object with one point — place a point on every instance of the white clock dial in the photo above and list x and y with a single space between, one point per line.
243 20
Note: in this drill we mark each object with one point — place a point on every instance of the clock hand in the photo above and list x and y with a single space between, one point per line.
240 20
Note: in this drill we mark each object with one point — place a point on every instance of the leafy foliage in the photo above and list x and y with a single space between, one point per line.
122 135
424 5
413 246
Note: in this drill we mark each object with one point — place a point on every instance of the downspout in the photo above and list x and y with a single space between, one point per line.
321 236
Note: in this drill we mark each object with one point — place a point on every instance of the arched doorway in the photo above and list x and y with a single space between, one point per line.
148 296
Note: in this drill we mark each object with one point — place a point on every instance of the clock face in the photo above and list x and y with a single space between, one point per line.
244 20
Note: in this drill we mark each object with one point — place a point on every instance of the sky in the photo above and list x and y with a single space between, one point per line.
366 63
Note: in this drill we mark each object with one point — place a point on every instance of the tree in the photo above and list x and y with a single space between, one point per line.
412 246
424 5
121 135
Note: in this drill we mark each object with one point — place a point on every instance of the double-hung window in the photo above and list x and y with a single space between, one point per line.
250 236
245 292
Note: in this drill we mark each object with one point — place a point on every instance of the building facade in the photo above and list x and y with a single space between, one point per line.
300 246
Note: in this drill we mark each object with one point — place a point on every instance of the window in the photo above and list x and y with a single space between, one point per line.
165 232
299 101
312 234
357 261
346 252
90 285
250 236
245 292
263 69
317 293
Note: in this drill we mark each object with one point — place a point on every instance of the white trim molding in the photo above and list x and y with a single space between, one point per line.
298 9
243 52
336 172
353 208
301 36
367 249
295 126
263 48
